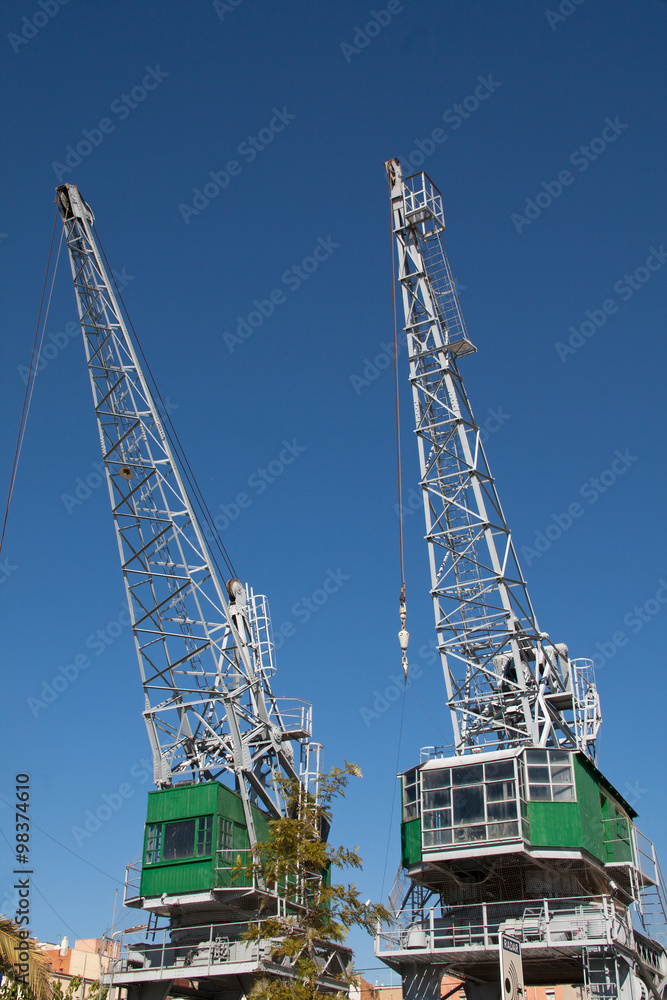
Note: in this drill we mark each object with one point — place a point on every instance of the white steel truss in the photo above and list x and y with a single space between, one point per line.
507 683
204 649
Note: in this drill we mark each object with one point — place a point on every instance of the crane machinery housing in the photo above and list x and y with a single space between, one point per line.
220 739
513 833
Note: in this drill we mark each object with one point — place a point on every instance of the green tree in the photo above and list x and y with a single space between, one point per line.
295 862
23 966
92 989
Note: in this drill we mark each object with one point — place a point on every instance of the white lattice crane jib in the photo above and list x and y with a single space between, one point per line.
202 645
507 683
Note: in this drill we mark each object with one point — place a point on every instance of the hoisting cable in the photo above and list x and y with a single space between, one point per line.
172 434
403 635
32 373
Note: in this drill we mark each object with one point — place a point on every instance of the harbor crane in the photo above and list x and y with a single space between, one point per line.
512 833
221 741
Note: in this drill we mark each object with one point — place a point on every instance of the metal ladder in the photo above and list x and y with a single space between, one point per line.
600 974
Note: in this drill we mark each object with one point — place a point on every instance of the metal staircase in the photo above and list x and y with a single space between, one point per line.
601 979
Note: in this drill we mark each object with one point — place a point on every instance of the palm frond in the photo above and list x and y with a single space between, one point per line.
37 983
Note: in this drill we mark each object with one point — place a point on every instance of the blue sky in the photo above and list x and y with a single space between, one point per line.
499 100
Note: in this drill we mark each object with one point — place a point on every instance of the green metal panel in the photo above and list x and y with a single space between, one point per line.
570 824
176 877
201 873
617 832
183 801
554 824
411 842
588 784
595 822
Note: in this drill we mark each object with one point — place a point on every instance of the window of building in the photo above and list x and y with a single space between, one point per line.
204 836
550 776
232 841
179 840
410 795
469 803
226 841
153 843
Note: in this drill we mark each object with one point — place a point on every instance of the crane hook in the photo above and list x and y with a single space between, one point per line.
404 637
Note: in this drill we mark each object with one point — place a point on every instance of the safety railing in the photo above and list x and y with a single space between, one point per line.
586 705
423 201
207 950
231 870
617 840
546 922
259 619
296 717
645 858
190 948
132 881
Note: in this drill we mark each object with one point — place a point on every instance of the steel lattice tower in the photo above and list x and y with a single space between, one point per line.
209 707
513 831
217 732
507 683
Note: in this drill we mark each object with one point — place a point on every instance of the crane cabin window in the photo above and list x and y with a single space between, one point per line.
469 803
179 840
226 839
153 843
204 836
410 795
550 776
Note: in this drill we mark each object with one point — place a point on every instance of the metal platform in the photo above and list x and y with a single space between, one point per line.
208 959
